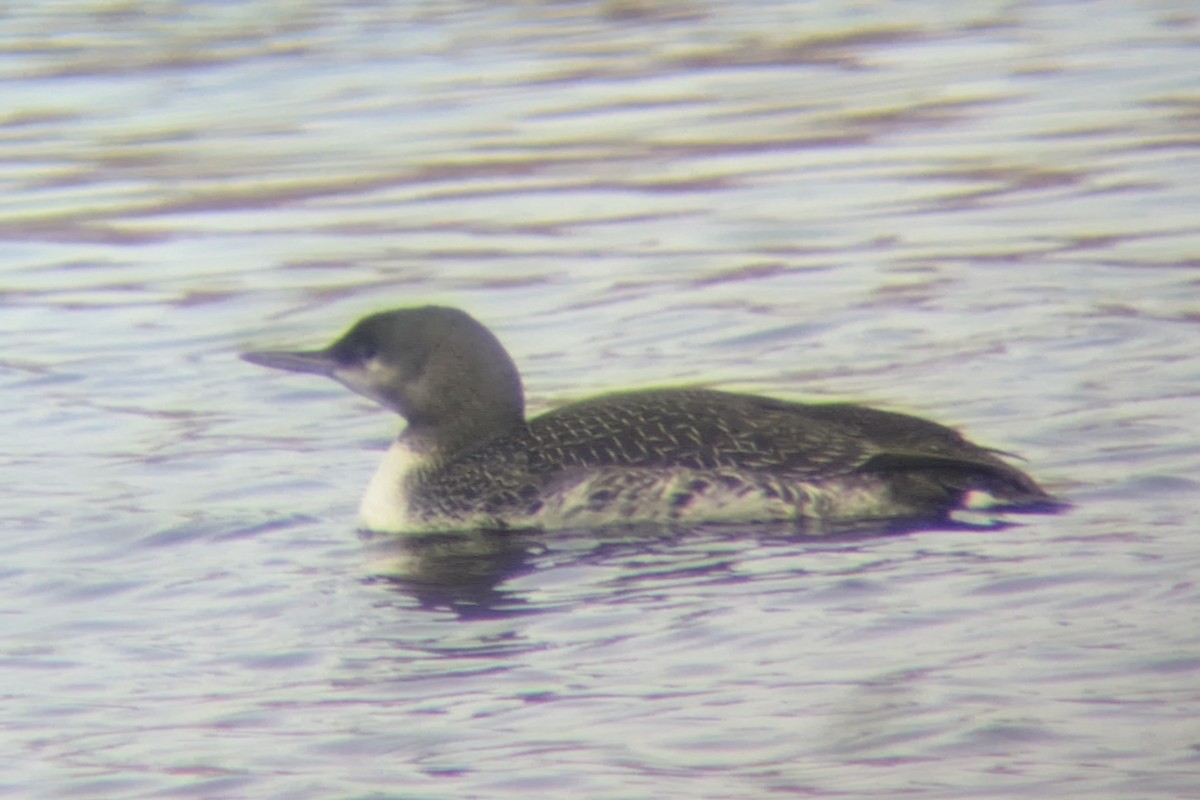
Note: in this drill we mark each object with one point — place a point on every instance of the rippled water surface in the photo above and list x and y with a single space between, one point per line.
984 213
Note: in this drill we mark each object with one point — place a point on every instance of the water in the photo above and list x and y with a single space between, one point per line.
981 213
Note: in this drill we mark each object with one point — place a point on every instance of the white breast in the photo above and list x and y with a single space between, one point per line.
385 505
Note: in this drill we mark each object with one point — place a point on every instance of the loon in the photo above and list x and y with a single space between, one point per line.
469 459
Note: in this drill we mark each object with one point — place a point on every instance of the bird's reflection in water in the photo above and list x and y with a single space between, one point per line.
461 572
466 573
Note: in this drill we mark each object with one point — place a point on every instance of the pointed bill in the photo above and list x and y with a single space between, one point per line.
317 362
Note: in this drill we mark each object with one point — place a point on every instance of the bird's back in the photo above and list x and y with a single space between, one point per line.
689 450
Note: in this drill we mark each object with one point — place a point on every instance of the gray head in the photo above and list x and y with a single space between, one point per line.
437 367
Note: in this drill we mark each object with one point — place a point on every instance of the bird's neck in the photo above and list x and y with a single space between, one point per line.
450 437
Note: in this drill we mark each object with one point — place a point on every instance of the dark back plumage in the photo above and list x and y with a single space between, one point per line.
712 431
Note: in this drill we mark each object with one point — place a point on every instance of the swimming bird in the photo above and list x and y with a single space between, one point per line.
469 458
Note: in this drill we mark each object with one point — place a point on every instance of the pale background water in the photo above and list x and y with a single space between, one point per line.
984 213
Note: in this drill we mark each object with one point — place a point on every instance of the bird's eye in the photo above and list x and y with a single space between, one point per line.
351 354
